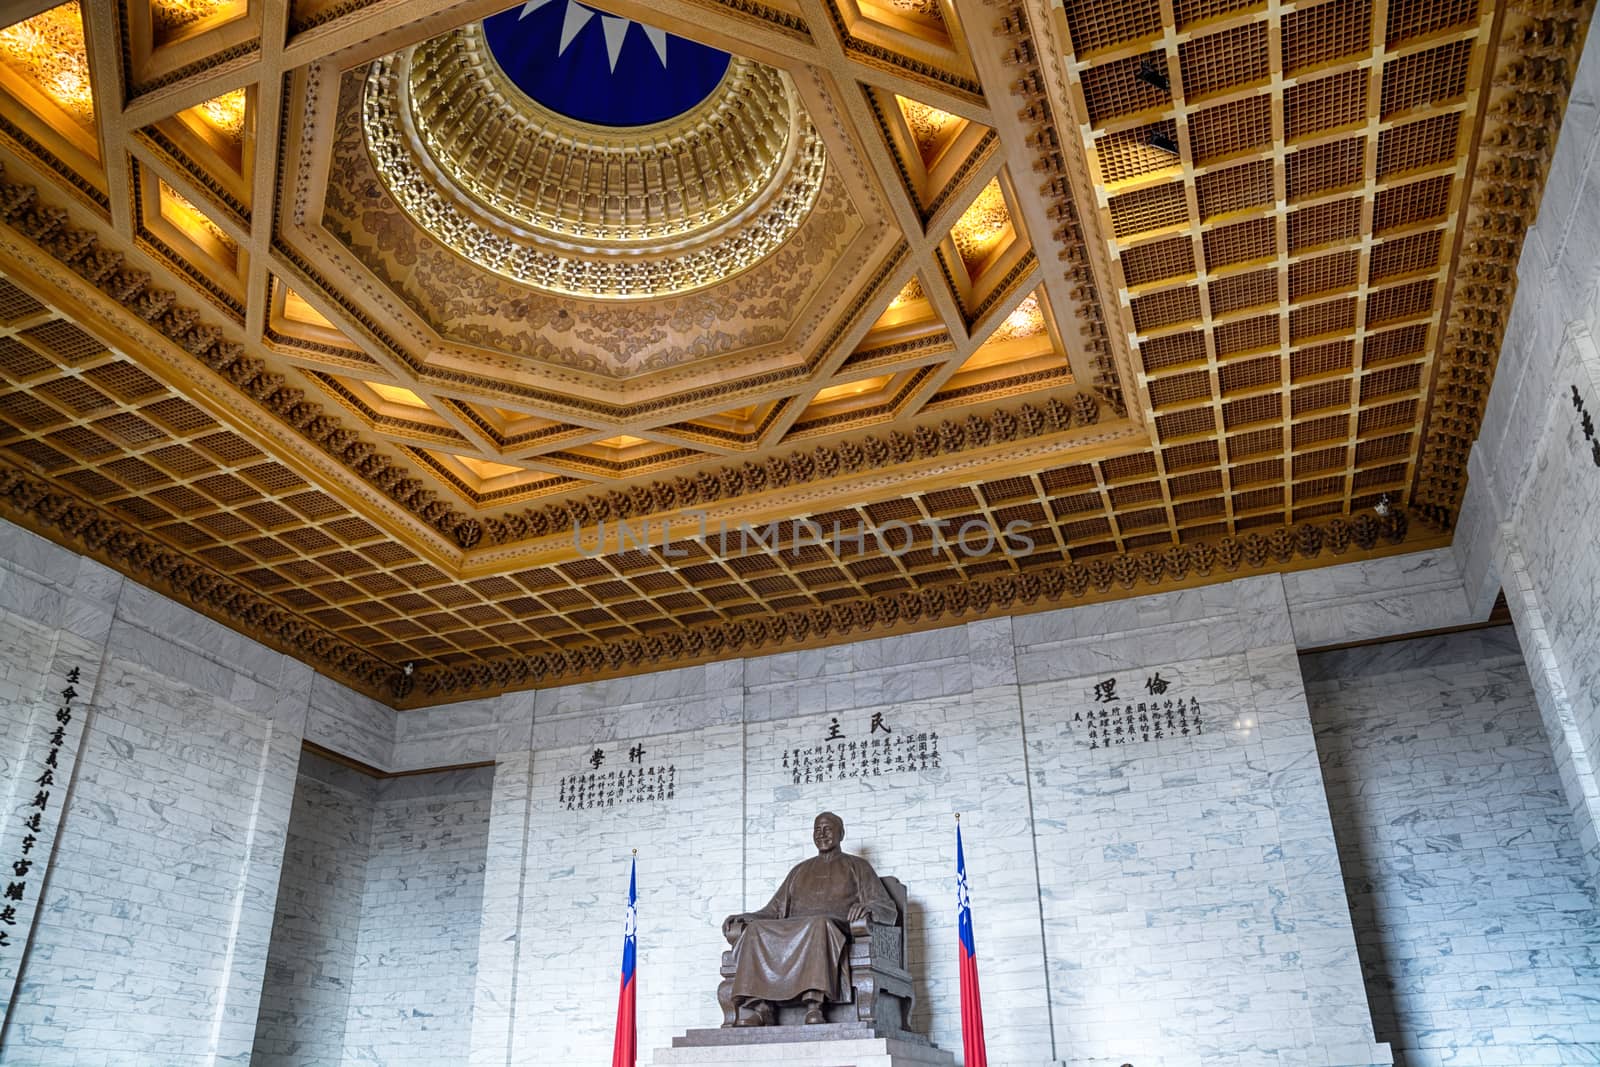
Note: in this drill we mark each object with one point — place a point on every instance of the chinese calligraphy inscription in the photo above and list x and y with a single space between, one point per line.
16 890
1110 720
635 783
1586 424
848 752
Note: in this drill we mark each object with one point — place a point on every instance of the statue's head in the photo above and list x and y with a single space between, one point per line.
827 832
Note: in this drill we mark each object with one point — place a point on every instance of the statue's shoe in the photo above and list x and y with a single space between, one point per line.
813 1017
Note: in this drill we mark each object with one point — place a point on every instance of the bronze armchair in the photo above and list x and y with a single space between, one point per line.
879 976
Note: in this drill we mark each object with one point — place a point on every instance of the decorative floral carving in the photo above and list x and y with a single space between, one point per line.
614 339
146 559
946 603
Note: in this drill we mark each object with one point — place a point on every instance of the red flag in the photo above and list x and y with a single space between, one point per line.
971 1002
625 1048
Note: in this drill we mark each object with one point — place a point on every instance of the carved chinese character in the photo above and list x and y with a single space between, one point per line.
834 733
597 758
878 723
1105 692
1156 684
636 754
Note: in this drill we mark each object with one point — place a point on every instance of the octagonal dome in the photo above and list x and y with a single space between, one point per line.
647 181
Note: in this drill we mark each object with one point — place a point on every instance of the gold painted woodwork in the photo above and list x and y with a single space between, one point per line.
1176 366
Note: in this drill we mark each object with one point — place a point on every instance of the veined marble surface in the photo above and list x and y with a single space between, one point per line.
1477 920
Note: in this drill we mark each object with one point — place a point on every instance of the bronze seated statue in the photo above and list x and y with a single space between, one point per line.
829 947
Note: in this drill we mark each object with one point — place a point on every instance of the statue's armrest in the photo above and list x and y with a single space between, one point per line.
863 927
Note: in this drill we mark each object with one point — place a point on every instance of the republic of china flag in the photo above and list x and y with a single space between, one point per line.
971 1003
625 1049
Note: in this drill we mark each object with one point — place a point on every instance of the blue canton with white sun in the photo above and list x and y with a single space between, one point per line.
598 68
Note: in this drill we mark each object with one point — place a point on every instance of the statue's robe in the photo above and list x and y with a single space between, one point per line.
798 941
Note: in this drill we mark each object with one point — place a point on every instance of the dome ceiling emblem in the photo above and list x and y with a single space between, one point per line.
619 73
602 164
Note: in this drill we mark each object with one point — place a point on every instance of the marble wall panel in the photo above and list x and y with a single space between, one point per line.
162 886
566 880
1475 914
1170 912
311 962
416 954
1378 598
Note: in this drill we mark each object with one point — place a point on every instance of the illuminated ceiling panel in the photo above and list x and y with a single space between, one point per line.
1179 285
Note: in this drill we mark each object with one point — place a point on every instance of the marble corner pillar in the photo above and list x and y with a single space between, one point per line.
56 612
1569 744
1315 909
494 999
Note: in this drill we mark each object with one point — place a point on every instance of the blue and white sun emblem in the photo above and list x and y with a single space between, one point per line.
627 74
576 17
962 901
630 922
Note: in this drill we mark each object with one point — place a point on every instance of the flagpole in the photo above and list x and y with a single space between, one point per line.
625 1044
975 1054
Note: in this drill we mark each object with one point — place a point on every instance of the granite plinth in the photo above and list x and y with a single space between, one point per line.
831 1045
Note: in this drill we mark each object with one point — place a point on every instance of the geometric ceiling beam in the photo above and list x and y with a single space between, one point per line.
947 369
154 166
1078 444
101 38
268 104
150 108
707 444
1017 134
23 10
100 316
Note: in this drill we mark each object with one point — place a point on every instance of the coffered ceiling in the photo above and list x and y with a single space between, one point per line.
313 317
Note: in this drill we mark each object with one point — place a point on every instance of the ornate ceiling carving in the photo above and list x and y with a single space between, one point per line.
1180 290
568 208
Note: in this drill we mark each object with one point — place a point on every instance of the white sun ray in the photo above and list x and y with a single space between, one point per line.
615 30
576 17
658 39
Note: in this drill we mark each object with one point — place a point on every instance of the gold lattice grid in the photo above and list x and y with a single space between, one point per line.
1278 188
100 427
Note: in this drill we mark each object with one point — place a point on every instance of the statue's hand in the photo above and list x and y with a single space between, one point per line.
859 912
733 926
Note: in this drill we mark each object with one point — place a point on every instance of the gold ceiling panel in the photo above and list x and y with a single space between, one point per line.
1180 288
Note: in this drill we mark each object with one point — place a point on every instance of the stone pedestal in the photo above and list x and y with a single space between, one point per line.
832 1045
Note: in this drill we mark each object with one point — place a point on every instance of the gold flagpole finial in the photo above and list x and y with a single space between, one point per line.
636 853
958 816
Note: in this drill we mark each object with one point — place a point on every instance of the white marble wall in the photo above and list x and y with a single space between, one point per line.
375 940
1533 502
151 938
1189 885
557 879
311 963
148 909
417 952
903 821
1178 905
1475 914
